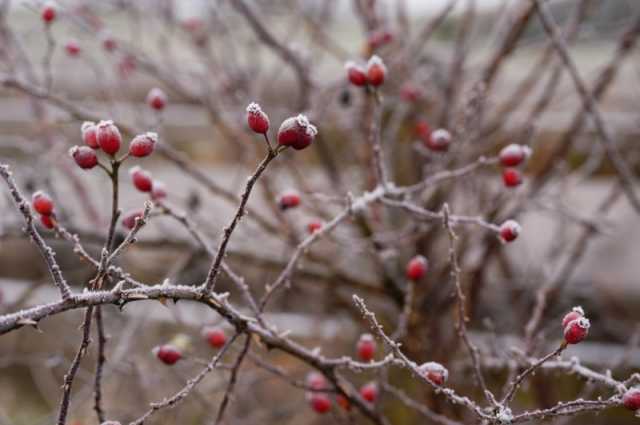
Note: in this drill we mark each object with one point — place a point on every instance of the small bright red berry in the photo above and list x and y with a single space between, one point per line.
366 347
296 132
167 354
129 219
42 203
511 177
143 144
84 156
631 399
576 330
369 392
108 136
314 226
156 99
513 155
434 372
575 313
376 71
316 381
320 402
509 230
438 140
89 134
356 74
417 267
256 118
158 190
72 48
47 221
141 179
423 130
289 199
215 337
343 402
49 12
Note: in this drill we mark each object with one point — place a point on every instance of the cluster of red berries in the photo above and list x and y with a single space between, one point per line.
320 401
371 75
296 132
512 156
435 140
43 204
169 354
575 326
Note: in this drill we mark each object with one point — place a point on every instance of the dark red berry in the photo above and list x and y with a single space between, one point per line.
289 199
89 134
215 337
296 132
156 99
575 313
369 392
42 203
108 136
167 354
48 12
84 156
423 130
376 71
511 177
356 74
438 140
417 267
434 372
47 221
129 219
576 330
72 48
143 144
258 121
631 399
320 402
141 179
513 155
509 230
366 347
109 43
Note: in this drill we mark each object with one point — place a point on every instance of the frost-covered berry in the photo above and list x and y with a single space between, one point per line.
129 219
509 230
513 155
47 221
256 118
438 140
511 177
575 313
366 347
376 71
167 354
434 372
288 199
84 156
72 48
141 179
42 203
215 337
158 190
320 402
48 12
89 134
417 267
157 99
296 132
576 330
631 399
369 392
314 226
316 381
143 144
356 74
108 136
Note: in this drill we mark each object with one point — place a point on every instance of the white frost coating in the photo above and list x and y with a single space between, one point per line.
86 126
504 416
376 60
578 309
368 197
435 368
583 322
135 169
254 108
309 128
441 137
72 151
153 136
513 226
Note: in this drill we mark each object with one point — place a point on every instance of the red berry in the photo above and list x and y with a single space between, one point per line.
215 337
258 121
316 381
319 402
513 155
156 99
423 130
511 177
366 347
141 179
47 221
42 203
417 267
631 399
576 330
296 132
108 136
439 140
376 71
289 199
72 48
143 144
89 134
84 156
109 43
509 230
379 38
127 66
434 372
129 219
314 226
369 392
158 190
343 402
410 93
575 313
356 74
49 13
168 354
